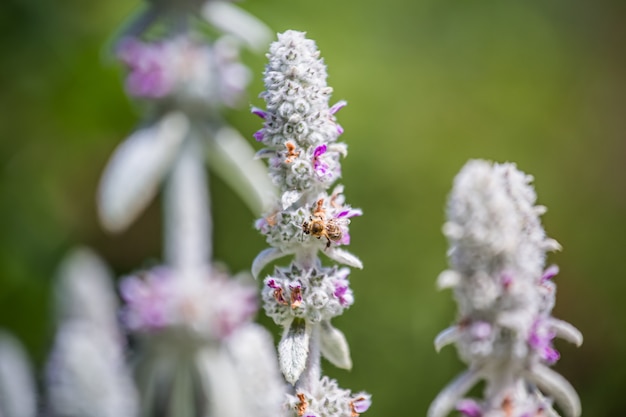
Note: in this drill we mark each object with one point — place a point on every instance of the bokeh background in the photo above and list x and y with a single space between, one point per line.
430 84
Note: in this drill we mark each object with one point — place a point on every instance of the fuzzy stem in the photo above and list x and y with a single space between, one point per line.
306 258
188 225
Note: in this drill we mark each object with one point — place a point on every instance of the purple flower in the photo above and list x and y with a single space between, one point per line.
549 273
278 292
469 408
148 76
338 106
259 112
480 330
349 213
258 135
361 403
342 289
540 340
147 301
296 294
322 169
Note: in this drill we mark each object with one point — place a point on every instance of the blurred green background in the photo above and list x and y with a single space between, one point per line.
430 84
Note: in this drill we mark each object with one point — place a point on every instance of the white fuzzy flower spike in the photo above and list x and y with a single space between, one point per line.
505 297
300 134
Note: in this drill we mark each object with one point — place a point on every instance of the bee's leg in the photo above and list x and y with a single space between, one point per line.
327 243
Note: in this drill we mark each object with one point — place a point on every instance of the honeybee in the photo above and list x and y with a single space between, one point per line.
318 227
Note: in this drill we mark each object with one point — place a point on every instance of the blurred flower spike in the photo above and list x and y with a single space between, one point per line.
300 135
198 352
505 296
186 79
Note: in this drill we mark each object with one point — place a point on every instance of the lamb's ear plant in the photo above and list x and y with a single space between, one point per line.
196 350
505 294
309 223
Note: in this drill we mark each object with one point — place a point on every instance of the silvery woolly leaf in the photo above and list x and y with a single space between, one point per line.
452 393
293 350
17 387
566 331
252 350
84 290
86 374
339 147
188 226
233 159
554 385
343 257
334 346
445 337
265 257
220 385
132 176
239 23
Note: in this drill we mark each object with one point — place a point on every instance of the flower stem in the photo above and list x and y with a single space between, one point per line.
188 225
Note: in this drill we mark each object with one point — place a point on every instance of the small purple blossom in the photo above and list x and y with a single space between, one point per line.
258 135
340 293
540 339
296 294
262 114
148 77
480 330
550 273
349 213
322 169
361 403
507 280
469 408
342 290
147 301
337 106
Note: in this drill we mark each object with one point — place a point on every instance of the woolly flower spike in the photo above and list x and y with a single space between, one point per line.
505 328
300 134
300 137
300 130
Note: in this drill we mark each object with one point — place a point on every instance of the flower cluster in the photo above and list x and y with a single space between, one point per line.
505 297
294 228
318 294
161 299
300 130
184 70
328 400
300 135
